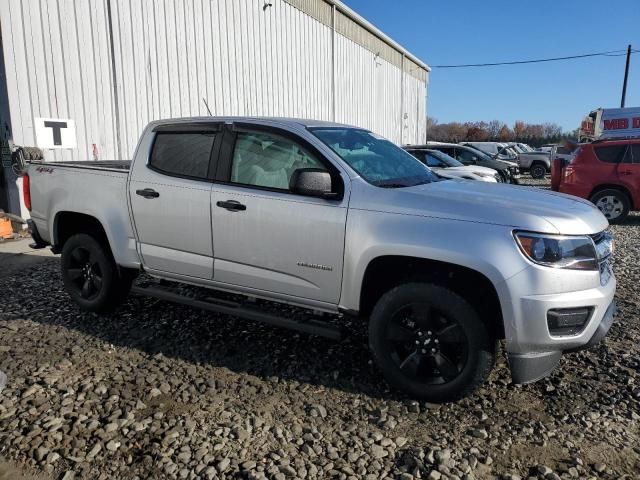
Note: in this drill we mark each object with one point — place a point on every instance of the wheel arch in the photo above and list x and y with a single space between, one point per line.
68 223
542 163
615 186
387 271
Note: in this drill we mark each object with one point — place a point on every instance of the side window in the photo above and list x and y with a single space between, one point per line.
449 151
433 161
419 155
184 154
611 153
635 153
267 160
465 156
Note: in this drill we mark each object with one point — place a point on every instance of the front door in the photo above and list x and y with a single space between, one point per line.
266 237
170 200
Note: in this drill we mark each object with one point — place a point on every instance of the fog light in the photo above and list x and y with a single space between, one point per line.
567 321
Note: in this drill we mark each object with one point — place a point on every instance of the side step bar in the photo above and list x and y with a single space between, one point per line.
308 325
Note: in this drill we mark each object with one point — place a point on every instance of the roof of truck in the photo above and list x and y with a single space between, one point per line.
282 120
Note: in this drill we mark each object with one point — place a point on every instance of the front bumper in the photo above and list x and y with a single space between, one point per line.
534 344
529 367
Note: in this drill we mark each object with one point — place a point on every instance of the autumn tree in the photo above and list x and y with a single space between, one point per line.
535 134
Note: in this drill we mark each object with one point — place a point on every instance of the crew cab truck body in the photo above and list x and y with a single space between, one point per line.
336 219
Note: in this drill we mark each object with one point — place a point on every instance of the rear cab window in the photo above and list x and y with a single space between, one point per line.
182 154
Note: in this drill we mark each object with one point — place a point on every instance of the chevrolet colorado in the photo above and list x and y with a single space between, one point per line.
335 219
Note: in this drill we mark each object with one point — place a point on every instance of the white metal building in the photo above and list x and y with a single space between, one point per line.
111 66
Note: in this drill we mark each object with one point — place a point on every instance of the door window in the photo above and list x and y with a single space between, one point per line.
611 153
449 151
465 156
433 161
267 160
185 154
634 153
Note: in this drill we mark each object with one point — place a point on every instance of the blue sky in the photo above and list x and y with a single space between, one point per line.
471 31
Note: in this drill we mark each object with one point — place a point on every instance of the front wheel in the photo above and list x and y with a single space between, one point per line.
538 170
430 343
91 275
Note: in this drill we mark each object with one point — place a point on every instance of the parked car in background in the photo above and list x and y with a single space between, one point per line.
606 172
521 147
336 219
497 150
564 152
538 164
448 167
546 148
470 156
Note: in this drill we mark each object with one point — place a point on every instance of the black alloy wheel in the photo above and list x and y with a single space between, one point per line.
85 273
430 343
91 276
427 345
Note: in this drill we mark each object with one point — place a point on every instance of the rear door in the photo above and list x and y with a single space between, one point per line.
607 167
629 173
266 237
170 200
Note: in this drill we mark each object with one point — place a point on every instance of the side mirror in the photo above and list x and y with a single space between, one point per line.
312 182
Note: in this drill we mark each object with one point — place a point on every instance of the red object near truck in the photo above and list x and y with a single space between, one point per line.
606 172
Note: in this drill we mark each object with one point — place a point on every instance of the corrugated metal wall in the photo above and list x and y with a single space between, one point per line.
167 55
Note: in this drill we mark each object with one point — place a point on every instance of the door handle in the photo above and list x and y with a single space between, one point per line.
232 206
626 172
148 193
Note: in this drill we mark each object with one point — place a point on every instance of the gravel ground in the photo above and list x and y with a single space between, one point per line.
162 391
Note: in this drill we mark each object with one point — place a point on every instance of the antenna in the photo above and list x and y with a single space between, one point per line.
206 105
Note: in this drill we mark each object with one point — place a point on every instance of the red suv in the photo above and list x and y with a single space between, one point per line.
605 172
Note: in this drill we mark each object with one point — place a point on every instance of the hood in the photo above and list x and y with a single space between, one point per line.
506 163
525 208
452 173
468 173
472 169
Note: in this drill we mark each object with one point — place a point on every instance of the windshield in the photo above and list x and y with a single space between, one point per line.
444 158
374 158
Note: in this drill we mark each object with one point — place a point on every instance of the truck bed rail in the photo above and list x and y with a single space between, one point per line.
108 165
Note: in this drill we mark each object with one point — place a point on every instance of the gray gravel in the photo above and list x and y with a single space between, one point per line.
162 391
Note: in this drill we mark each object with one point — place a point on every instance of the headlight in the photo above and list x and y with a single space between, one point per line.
557 251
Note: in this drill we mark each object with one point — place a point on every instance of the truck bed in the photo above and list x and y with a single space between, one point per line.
97 189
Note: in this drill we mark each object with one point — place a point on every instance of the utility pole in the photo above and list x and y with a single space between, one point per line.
626 77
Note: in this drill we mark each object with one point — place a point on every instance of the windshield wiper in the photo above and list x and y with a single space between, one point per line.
392 185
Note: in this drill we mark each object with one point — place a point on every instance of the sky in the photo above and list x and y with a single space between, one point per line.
471 31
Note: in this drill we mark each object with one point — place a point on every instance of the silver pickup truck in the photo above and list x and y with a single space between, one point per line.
334 219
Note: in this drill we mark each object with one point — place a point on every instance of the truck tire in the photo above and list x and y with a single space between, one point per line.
91 276
538 170
430 343
614 204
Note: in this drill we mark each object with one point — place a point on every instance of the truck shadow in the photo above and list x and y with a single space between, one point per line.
198 337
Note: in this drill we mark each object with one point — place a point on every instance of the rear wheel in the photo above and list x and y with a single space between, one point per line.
430 343
91 275
613 204
538 170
